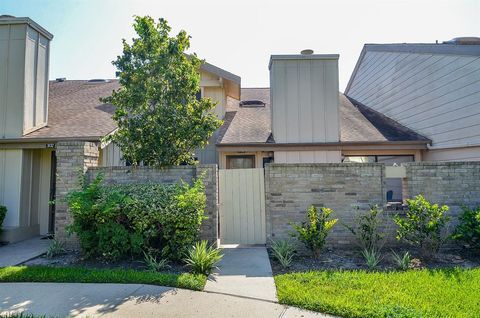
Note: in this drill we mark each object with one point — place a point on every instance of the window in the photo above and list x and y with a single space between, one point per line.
241 162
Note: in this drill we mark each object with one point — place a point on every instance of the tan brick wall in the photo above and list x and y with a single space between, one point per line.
292 188
73 159
451 183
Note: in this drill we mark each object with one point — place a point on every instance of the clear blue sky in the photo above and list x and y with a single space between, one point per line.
240 35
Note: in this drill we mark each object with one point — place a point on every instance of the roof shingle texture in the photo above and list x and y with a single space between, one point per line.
75 111
358 123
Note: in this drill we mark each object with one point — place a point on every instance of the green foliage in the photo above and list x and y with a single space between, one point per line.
283 250
372 257
153 264
367 230
160 121
468 229
55 248
202 258
426 293
314 231
3 213
402 261
422 225
44 274
114 222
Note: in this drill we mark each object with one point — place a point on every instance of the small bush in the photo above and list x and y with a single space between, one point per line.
402 261
468 229
314 231
283 250
155 265
55 248
114 222
367 230
202 258
3 213
423 225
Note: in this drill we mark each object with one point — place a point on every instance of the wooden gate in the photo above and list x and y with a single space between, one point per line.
242 206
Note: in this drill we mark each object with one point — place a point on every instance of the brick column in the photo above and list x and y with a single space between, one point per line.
73 159
209 229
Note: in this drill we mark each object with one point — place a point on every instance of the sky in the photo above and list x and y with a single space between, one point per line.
240 35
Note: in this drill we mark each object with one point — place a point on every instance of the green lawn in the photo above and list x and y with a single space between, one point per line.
85 275
422 293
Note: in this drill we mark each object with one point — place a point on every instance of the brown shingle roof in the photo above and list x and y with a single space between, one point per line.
247 124
75 111
358 123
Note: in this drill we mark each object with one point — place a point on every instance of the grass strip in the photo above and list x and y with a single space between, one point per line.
88 275
361 294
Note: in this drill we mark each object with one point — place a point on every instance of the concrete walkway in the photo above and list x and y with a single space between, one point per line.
17 253
121 300
244 272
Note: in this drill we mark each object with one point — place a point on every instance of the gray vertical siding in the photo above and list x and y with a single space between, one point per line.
437 95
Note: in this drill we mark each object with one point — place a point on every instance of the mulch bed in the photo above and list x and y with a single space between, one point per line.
353 260
75 258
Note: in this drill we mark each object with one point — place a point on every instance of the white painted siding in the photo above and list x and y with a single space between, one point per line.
111 156
437 95
307 156
304 97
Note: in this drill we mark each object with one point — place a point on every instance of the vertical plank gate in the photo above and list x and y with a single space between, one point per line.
242 206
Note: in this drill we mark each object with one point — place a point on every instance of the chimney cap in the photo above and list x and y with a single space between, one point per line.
9 19
306 52
302 57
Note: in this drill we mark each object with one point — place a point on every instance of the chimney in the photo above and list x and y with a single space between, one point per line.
24 62
304 97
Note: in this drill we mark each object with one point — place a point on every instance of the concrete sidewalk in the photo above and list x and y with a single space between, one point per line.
244 272
121 300
17 253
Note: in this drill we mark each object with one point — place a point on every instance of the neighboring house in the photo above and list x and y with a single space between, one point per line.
433 89
36 114
301 118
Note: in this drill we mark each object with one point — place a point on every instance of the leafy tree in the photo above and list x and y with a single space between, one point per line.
160 121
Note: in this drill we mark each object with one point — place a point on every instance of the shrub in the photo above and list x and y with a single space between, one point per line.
114 222
314 231
3 213
372 258
283 250
202 258
55 248
367 230
468 230
422 225
402 261
153 264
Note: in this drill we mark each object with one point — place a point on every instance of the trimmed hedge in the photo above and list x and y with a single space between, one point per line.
114 222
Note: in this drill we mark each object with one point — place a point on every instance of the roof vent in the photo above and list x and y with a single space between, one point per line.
98 81
252 103
306 52
466 40
60 79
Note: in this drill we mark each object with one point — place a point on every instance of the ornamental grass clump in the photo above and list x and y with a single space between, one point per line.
283 251
315 230
202 258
